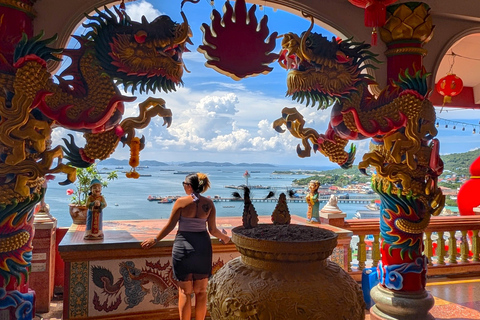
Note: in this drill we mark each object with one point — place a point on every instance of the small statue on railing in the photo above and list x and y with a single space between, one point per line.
312 201
95 203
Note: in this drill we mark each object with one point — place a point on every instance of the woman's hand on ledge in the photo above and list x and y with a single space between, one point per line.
147 244
225 239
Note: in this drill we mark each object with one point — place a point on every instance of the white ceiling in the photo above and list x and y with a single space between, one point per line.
466 64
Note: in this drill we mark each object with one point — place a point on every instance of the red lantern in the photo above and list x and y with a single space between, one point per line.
449 86
375 13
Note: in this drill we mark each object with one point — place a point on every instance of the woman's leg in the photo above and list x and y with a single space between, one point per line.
185 290
200 289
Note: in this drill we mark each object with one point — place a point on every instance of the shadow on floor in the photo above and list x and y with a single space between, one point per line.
56 309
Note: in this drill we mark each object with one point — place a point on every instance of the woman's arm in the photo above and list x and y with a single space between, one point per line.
212 226
171 223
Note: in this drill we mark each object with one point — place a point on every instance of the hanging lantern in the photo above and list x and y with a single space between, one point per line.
449 86
375 13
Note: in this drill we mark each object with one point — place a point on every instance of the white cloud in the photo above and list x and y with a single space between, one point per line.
142 8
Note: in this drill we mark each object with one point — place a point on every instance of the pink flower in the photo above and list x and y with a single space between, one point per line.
69 192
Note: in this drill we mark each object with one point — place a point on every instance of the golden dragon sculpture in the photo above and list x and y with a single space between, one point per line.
140 56
399 122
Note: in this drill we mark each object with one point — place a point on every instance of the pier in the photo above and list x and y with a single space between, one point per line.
323 200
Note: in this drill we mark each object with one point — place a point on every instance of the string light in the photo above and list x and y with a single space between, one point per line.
463 125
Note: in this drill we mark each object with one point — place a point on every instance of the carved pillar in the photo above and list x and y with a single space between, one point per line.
17 301
408 28
405 212
16 18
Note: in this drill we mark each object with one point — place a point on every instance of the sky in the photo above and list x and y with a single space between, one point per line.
216 118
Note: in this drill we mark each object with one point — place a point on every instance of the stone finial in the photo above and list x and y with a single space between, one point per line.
250 216
281 214
332 205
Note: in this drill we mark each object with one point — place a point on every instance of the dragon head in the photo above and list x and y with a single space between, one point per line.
322 70
146 56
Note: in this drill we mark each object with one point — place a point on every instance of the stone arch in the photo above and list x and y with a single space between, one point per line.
330 16
441 55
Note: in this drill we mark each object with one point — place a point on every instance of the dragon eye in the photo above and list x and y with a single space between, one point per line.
140 36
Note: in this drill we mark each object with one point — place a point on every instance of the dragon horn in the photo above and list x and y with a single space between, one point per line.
303 45
184 31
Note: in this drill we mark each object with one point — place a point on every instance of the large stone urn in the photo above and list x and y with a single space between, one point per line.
283 273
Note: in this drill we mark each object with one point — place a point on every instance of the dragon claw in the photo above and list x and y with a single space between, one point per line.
66 182
279 129
302 153
167 121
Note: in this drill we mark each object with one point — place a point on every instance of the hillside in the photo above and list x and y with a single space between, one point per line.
458 163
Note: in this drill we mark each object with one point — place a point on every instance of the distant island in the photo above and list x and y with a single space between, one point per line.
117 162
223 164
154 163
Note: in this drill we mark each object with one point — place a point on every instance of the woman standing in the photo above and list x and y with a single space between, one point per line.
192 249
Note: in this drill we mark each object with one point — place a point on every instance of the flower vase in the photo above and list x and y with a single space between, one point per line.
78 213
283 273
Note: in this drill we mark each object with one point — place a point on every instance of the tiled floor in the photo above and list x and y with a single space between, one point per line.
455 299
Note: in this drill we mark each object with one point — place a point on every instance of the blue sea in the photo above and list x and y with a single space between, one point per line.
127 198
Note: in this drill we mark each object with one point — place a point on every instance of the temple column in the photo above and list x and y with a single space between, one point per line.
17 301
402 271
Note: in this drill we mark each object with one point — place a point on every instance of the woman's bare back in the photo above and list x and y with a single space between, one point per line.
195 209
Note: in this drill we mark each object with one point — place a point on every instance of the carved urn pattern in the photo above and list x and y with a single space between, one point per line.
284 279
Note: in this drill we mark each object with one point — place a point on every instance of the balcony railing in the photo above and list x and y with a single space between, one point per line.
451 244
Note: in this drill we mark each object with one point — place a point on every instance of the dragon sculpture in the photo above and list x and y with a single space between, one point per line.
140 56
400 123
133 283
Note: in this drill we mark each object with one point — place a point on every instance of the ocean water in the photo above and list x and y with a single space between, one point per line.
127 198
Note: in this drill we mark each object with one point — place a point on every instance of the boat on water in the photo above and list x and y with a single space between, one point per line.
367 214
166 200
373 211
183 172
154 198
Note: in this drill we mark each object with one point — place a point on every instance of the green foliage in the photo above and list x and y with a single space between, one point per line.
338 177
459 163
450 202
82 184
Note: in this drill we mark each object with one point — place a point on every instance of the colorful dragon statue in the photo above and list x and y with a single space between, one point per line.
134 282
400 123
144 57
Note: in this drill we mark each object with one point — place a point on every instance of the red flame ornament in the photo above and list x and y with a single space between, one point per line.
375 13
235 45
449 86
